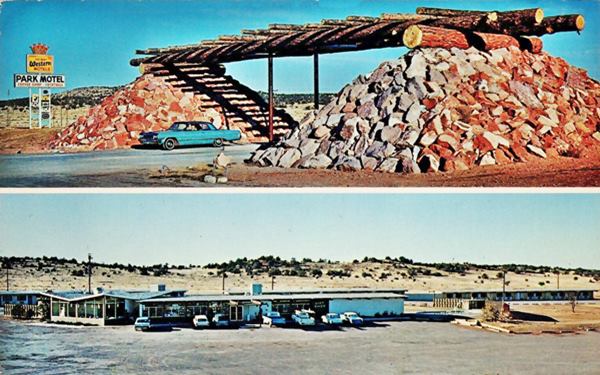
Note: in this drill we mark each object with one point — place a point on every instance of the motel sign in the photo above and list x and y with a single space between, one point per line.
40 69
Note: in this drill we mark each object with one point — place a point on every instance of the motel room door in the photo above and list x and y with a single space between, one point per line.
236 313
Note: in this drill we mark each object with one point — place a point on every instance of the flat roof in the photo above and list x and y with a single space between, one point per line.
520 290
125 294
335 291
271 297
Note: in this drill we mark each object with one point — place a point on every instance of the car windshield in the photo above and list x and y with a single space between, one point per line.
353 315
332 315
222 318
142 320
274 314
303 315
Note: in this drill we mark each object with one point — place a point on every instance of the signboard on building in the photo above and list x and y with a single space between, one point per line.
39 80
43 64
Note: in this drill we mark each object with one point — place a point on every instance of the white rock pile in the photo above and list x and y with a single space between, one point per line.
444 110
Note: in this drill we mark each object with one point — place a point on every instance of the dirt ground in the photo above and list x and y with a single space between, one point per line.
553 318
558 172
13 140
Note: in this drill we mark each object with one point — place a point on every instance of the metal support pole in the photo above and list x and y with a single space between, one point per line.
49 108
271 104
558 280
7 267
272 282
30 108
40 107
316 79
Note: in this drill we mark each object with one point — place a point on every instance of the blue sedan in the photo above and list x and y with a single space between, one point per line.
189 133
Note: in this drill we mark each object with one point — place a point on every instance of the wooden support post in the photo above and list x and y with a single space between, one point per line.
316 79
271 104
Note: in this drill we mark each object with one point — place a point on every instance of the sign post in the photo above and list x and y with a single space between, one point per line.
29 108
40 75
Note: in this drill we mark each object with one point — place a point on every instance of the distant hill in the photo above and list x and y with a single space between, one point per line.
75 98
27 273
90 96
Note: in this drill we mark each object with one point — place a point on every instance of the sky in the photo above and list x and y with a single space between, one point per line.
539 229
94 40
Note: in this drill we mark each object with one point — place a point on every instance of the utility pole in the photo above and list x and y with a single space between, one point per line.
7 265
90 273
503 285
558 280
223 287
273 282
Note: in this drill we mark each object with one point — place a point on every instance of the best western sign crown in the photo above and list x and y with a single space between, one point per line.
40 61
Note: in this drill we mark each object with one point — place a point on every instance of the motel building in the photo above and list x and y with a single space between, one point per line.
250 307
521 295
110 307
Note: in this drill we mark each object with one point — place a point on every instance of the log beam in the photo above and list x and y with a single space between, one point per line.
488 42
555 24
531 44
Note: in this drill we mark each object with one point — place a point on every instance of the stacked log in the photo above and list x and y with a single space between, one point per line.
448 109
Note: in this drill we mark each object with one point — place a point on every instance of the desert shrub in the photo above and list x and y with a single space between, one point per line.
316 273
490 312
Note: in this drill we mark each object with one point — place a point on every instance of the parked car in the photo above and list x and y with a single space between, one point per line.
146 324
332 318
352 318
273 318
189 133
220 320
201 321
302 318
142 324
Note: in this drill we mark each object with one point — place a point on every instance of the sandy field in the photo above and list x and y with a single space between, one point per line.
195 280
552 318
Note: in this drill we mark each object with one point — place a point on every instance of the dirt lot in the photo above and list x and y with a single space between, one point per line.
25 140
555 318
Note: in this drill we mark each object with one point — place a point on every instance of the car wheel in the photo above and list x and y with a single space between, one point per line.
169 144
218 142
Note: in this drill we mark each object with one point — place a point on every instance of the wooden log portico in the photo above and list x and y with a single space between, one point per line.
430 27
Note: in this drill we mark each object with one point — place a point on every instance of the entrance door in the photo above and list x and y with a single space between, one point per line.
236 313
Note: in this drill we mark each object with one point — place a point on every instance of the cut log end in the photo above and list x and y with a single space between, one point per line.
580 22
539 16
413 36
531 44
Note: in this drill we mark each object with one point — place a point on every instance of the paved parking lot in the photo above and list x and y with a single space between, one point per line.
383 348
